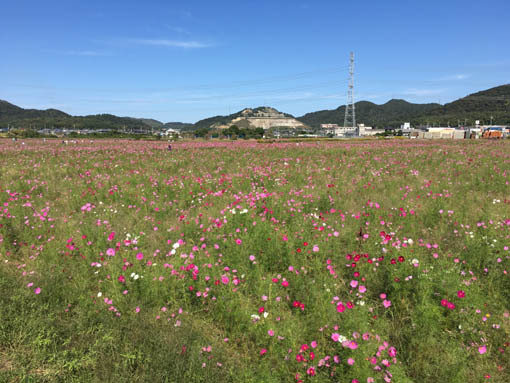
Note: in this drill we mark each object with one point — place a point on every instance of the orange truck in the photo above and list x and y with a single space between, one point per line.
493 132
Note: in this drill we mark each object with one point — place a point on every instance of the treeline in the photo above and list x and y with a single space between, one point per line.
233 132
103 121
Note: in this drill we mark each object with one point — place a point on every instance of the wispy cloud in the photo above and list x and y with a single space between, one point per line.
84 53
170 43
178 30
454 77
423 92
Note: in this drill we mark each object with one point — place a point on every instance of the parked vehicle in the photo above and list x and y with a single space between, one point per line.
493 132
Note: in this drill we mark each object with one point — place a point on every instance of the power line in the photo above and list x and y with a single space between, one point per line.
207 86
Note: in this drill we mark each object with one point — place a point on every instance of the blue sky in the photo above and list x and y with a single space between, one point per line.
183 61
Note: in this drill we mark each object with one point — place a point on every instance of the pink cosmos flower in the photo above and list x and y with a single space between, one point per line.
353 345
386 303
315 248
350 361
354 283
340 308
461 294
362 289
110 252
139 256
270 332
335 336
482 350
37 291
263 351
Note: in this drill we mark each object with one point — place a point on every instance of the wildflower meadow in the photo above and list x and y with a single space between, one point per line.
334 261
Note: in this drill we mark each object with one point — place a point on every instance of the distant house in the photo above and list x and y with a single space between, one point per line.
338 131
170 132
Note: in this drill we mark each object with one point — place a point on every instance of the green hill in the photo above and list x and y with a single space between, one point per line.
392 113
12 115
481 106
494 102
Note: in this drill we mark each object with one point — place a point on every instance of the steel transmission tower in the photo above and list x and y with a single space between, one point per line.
350 111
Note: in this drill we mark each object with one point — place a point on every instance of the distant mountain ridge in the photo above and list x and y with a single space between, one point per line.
488 105
481 106
12 115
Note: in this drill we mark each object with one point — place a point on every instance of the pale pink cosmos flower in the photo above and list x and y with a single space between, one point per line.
37 291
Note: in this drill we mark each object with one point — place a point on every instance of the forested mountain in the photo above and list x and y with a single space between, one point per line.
393 113
481 106
12 115
488 105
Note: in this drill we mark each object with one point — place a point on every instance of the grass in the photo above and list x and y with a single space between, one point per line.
247 262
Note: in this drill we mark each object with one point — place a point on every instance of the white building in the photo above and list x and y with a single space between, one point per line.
338 131
170 132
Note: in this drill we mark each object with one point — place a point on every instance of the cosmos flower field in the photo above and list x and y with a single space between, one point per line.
369 261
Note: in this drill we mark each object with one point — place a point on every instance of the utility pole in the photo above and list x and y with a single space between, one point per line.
350 112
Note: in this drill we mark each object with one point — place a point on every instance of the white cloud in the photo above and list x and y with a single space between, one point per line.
179 30
170 43
84 53
454 77
423 92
